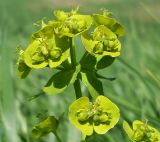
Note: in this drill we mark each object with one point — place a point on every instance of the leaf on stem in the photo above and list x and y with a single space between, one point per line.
104 62
93 85
60 81
88 62
103 77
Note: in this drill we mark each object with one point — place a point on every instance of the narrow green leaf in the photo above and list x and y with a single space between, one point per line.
35 96
103 77
93 85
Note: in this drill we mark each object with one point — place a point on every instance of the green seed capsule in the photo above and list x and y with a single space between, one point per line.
96 118
37 57
81 23
98 48
74 25
65 30
55 53
82 115
148 134
106 43
44 50
111 44
98 36
138 136
104 117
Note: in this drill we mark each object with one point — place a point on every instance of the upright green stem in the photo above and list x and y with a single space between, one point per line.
84 138
58 139
77 86
73 54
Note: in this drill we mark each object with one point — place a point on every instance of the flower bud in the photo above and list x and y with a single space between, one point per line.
106 43
81 25
65 30
55 53
44 50
82 115
38 57
111 44
96 118
98 48
104 117
138 135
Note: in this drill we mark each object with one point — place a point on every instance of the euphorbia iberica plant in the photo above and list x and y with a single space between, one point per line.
53 46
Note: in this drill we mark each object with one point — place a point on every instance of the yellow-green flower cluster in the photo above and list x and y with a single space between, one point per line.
141 132
100 116
104 38
46 49
50 45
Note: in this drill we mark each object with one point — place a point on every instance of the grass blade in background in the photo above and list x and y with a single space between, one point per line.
7 100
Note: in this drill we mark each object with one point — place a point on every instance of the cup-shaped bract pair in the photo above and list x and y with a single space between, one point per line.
103 40
141 132
110 23
71 23
99 116
46 49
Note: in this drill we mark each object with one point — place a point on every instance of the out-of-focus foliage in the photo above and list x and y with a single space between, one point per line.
135 90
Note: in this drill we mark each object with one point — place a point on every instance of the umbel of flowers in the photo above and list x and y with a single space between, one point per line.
99 116
141 132
52 46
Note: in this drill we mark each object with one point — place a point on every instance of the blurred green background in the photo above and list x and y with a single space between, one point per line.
135 91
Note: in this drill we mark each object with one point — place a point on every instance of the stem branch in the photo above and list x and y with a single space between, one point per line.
77 86
58 139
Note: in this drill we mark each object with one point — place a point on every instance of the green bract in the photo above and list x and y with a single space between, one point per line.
141 132
102 42
100 116
46 126
23 69
110 23
46 49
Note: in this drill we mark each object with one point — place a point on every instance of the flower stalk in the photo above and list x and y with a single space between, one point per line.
77 86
